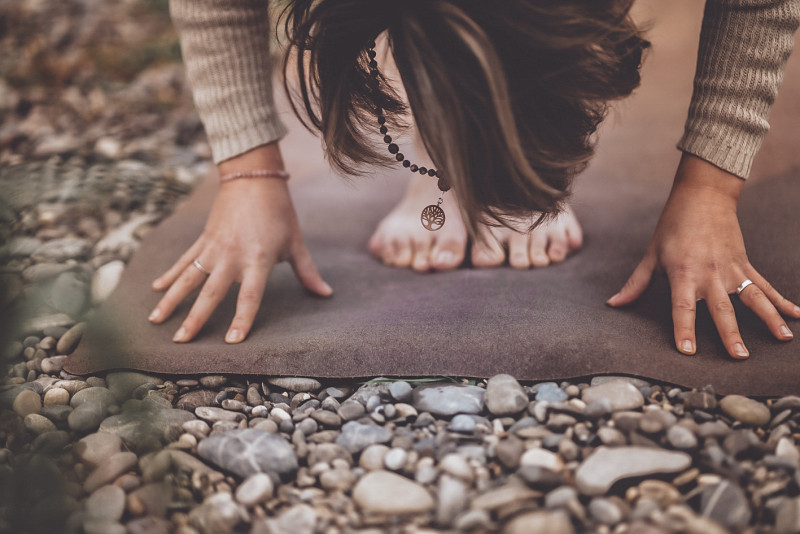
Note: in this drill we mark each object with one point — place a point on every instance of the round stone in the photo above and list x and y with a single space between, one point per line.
107 502
372 458
38 424
255 489
395 459
745 410
505 396
385 493
621 395
86 417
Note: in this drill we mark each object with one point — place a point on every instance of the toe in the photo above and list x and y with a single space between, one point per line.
448 254
403 253
557 250
574 234
422 250
538 249
487 252
518 256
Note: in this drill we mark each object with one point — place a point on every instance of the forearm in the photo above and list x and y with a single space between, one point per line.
744 46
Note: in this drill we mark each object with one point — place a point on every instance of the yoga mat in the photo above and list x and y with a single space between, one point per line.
537 324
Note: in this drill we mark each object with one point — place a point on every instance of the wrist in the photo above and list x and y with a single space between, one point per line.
261 157
699 177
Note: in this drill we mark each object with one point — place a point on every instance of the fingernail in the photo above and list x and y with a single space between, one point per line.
797 310
328 289
785 332
155 315
234 336
179 335
687 347
740 351
613 299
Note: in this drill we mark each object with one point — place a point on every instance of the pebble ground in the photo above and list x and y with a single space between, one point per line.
93 153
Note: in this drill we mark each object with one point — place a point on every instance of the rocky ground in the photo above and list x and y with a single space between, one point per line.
98 142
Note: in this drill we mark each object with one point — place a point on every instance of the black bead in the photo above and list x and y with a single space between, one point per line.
414 168
423 170
399 156
393 148
387 139
443 185
381 120
384 129
371 44
406 164
431 172
373 64
371 54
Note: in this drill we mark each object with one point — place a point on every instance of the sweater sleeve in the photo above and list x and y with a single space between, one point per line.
225 47
744 45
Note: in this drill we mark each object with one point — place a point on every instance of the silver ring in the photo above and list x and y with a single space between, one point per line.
200 267
742 286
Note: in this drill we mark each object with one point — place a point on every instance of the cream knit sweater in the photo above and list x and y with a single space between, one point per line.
744 45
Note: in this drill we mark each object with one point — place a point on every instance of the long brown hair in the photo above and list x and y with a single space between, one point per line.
506 96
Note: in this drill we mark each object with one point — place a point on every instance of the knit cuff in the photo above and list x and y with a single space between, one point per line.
235 143
731 150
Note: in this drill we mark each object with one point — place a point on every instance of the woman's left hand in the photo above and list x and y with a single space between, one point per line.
698 243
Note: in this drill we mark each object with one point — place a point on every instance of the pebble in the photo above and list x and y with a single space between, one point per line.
212 414
539 477
621 394
296 384
147 429
327 419
53 365
247 451
372 457
213 381
385 493
727 504
655 421
505 396
550 392
509 451
100 395
540 522
543 458
70 339
105 280
299 519
355 436
38 424
787 518
745 410
561 497
219 514
86 417
148 525
503 496
605 511
448 399
605 466
456 465
123 383
68 294
395 459
337 479
26 402
400 391
681 437
463 423
452 499
351 410
107 502
60 250
109 470
255 489
103 526
700 400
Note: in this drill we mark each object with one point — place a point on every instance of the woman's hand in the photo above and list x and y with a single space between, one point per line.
699 245
252 226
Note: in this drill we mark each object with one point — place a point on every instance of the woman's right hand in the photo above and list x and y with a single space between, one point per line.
252 227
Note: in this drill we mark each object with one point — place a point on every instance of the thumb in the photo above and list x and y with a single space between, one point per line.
307 272
636 284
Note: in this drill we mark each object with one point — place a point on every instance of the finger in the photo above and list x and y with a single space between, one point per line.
783 304
721 309
538 248
189 280
518 245
754 298
306 271
250 295
422 252
636 284
186 259
684 312
214 290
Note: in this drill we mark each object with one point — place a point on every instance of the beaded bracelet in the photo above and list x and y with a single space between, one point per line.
260 173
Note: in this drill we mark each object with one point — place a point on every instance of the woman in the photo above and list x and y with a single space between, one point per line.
505 100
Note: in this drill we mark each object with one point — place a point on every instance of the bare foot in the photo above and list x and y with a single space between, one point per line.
401 241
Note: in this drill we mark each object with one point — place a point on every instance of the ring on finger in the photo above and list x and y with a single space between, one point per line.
200 267
743 285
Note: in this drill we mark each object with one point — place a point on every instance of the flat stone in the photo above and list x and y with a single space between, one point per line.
123 383
727 504
327 418
86 417
542 458
213 381
102 395
147 429
540 522
550 392
107 502
351 410
296 384
194 399
681 437
503 496
372 457
745 410
787 520
60 250
452 499
605 466
105 280
355 436
621 394
463 423
450 399
505 396
213 414
38 424
385 493
109 470
255 489
247 451
605 511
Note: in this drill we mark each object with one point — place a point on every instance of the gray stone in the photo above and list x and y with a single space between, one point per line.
60 250
327 453
448 399
23 401
213 381
255 489
86 417
621 394
122 384
700 400
247 451
327 419
109 470
539 477
745 410
38 424
105 280
550 392
727 504
351 410
218 514
147 429
372 457
51 442
681 437
395 459
505 396
604 379
299 519
463 423
355 436
148 525
562 497
97 394
195 399
296 384
655 421
452 499
540 522
103 526
605 511
509 451
385 493
69 294
606 466
400 391
107 502
787 520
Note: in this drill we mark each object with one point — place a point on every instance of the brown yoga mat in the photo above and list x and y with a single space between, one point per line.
538 324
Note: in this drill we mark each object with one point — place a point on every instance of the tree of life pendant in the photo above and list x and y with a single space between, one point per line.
432 216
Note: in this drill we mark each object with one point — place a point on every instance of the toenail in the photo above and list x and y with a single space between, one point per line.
446 257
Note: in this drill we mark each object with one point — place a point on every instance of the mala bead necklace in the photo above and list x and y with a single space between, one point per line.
432 217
